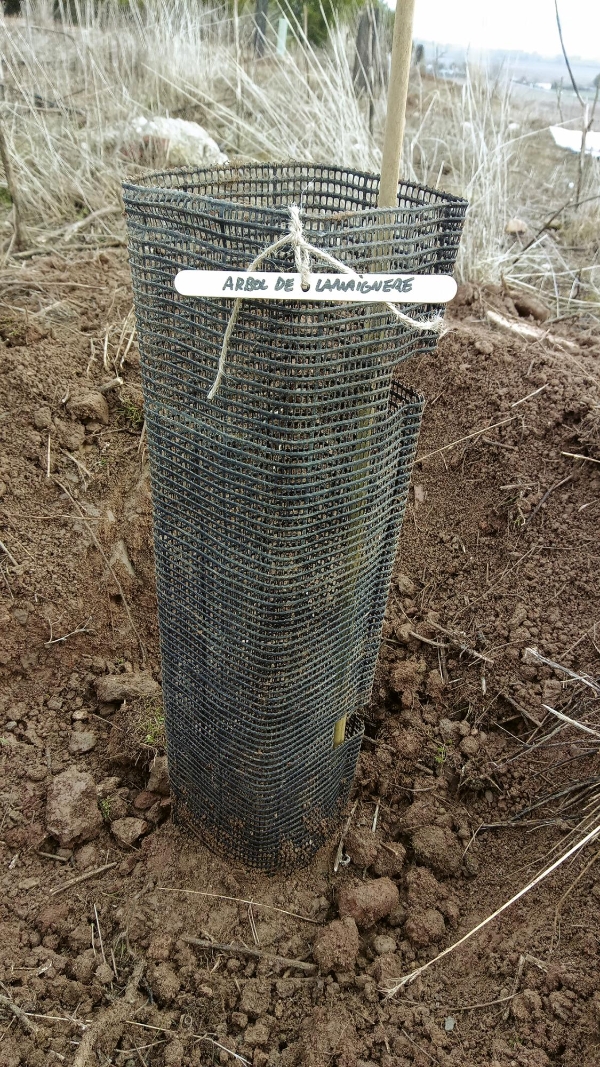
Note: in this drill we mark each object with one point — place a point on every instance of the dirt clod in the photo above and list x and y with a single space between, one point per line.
368 902
163 982
72 814
117 687
88 404
336 946
425 926
437 847
362 846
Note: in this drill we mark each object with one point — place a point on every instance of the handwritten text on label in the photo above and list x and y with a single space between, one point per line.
361 288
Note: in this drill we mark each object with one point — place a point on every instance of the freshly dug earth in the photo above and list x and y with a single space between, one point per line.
100 892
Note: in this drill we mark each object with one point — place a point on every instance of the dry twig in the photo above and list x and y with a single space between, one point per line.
82 878
408 978
113 1017
552 488
340 848
8 1002
254 953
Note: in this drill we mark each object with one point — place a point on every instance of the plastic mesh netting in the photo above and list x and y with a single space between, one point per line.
278 505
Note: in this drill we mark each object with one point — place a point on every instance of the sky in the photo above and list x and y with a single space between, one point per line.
523 25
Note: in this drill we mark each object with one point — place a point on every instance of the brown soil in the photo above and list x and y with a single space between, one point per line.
490 564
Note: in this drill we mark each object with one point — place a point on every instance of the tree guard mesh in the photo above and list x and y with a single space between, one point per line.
278 505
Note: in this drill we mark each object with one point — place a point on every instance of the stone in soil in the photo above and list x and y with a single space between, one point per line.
72 814
82 741
438 848
384 944
128 830
107 786
368 902
158 781
116 687
336 946
145 800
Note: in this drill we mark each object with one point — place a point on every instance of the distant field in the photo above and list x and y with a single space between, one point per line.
76 95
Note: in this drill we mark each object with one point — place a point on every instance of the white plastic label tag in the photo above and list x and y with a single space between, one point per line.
359 288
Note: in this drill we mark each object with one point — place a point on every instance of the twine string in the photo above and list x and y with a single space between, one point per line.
302 253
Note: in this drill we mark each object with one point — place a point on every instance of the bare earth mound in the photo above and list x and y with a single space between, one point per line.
100 963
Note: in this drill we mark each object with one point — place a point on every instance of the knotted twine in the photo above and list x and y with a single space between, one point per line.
302 253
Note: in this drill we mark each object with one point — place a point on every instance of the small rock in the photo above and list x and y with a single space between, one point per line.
163 982
128 830
384 944
405 585
28 883
89 404
87 856
82 741
72 813
516 227
390 859
114 808
145 800
84 965
127 865
437 847
158 781
425 926
107 786
117 687
469 746
368 902
449 730
336 946
362 846
36 773
449 1024
104 974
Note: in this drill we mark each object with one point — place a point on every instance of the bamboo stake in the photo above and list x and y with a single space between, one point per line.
396 103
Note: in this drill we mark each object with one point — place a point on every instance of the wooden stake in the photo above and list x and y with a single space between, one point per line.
396 104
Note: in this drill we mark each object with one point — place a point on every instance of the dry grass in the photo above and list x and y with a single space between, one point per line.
72 86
